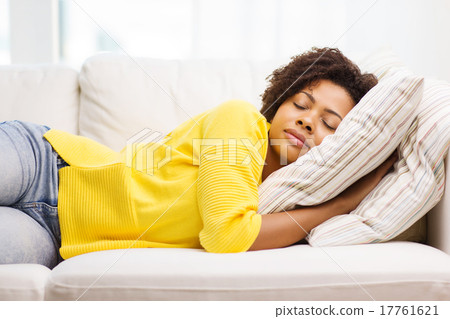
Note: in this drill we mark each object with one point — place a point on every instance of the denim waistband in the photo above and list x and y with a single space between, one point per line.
60 162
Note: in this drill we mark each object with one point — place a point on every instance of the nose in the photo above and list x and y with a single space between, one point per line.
305 124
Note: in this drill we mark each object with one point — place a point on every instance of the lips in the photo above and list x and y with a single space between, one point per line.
296 137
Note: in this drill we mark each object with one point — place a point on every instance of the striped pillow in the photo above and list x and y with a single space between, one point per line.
417 184
369 133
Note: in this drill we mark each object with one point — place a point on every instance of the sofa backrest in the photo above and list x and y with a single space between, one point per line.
120 96
438 219
45 94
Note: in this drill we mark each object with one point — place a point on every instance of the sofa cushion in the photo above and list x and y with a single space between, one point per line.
23 281
121 96
385 271
380 62
416 185
45 94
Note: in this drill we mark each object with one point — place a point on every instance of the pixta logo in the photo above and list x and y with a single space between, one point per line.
147 151
229 151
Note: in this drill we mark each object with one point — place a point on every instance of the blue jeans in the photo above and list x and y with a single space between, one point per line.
29 225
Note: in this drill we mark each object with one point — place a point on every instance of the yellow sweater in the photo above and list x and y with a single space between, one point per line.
198 187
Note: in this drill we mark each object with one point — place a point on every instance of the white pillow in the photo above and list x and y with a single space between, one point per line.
365 138
121 96
416 185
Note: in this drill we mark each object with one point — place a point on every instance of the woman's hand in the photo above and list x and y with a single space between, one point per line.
353 195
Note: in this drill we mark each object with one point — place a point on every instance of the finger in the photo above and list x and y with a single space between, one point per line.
392 158
394 155
388 165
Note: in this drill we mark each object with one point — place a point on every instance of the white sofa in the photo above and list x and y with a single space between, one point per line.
114 97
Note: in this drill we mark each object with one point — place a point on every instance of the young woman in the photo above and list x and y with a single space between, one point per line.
197 188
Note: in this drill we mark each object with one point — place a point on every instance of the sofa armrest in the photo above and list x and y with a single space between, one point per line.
438 219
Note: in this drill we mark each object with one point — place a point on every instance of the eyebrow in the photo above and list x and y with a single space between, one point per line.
326 109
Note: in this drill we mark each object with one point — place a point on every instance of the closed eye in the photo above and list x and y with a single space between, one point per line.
304 108
299 106
331 128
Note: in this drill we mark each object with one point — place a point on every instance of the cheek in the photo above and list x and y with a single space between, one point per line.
275 127
320 137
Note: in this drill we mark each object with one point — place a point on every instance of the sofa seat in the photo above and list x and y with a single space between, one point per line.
383 271
23 281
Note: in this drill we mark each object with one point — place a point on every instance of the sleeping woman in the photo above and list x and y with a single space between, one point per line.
195 188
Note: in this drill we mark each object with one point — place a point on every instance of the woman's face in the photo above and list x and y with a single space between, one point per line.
303 120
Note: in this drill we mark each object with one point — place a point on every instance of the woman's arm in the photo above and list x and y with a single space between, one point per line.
228 173
286 228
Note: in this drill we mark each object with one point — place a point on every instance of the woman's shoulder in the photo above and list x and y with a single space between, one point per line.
235 118
238 107
236 113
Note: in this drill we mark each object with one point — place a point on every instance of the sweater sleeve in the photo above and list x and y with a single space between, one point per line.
231 160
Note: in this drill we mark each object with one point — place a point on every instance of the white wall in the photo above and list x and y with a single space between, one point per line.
251 29
417 30
4 32
33 31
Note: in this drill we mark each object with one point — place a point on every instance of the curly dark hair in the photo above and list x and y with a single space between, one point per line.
306 69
